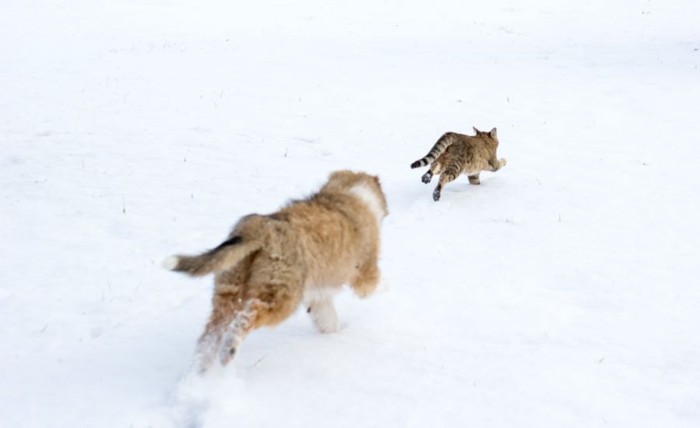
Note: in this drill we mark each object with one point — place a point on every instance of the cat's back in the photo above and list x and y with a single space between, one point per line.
469 146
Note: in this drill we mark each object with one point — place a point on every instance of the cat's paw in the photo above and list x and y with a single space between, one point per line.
436 194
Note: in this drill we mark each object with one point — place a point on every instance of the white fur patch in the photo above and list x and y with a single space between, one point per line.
170 263
369 196
324 316
312 293
321 308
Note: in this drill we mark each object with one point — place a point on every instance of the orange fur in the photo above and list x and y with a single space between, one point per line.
270 264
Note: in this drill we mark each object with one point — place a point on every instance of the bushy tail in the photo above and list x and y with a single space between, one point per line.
438 148
218 259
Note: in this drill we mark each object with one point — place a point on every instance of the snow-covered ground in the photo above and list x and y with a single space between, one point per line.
562 292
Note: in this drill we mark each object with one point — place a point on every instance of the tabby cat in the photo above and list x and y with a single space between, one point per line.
455 154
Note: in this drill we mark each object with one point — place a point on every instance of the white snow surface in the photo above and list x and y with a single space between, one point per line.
561 292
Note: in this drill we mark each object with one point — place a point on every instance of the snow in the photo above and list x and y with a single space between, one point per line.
561 292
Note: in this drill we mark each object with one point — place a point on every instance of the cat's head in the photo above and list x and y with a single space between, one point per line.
492 134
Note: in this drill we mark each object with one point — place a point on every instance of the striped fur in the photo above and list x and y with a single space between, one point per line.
438 148
456 154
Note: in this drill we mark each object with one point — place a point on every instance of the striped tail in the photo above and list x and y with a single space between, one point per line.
439 148
219 259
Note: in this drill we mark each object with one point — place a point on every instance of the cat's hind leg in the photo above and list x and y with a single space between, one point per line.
435 168
450 174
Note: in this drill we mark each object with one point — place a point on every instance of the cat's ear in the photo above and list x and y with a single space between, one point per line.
476 130
492 133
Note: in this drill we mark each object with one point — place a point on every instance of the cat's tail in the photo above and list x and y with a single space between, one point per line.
438 148
245 239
